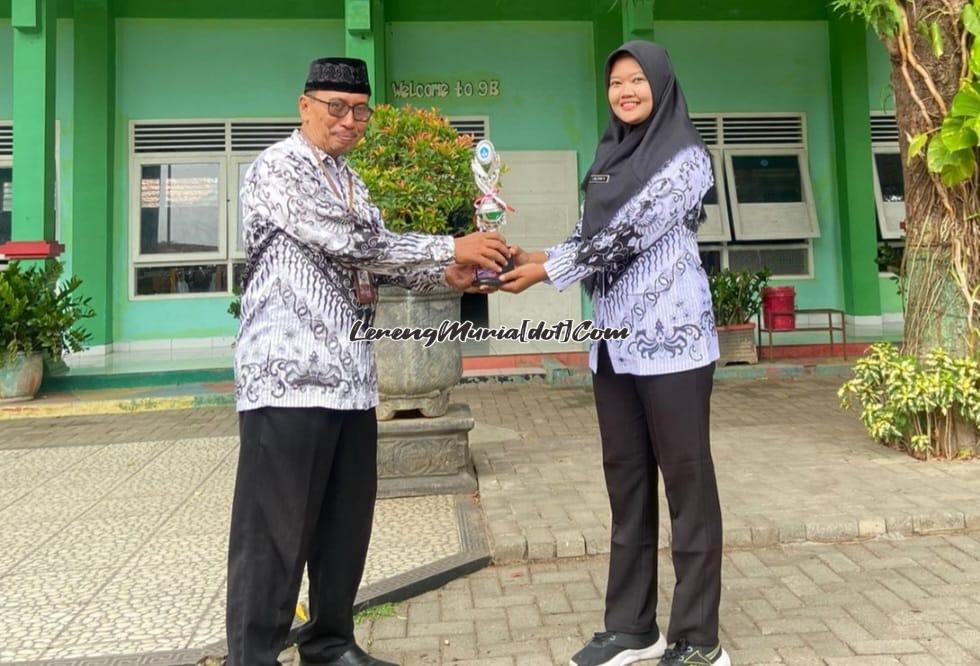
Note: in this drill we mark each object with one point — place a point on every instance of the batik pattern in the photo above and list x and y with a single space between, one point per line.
298 301
648 274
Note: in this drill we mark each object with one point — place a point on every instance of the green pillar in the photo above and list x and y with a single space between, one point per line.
364 30
855 173
34 30
637 19
93 114
607 35
608 23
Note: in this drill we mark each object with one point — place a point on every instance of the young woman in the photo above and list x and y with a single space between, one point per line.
636 249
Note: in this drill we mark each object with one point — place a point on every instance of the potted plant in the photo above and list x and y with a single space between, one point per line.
417 171
737 297
38 319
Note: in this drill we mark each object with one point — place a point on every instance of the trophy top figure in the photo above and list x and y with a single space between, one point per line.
490 208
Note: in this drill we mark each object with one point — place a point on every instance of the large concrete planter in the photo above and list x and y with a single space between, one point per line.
736 344
411 376
426 456
20 378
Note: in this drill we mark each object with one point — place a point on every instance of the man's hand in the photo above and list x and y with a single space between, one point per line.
523 277
482 248
462 278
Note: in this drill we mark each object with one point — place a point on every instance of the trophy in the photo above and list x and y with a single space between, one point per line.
491 210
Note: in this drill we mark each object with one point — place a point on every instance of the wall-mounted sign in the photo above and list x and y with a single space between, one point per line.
443 89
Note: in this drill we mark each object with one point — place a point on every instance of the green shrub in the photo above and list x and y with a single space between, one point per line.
417 170
39 315
911 405
737 295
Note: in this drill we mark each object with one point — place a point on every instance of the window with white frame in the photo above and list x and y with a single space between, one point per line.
186 226
889 183
760 212
6 181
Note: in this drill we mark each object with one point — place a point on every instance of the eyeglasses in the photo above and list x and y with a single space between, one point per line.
338 108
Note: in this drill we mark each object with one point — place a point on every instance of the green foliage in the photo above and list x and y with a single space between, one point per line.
971 20
417 170
916 145
883 16
952 150
932 33
38 315
903 401
737 295
235 307
375 613
889 260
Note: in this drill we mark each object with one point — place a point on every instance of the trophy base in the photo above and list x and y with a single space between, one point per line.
488 281
489 278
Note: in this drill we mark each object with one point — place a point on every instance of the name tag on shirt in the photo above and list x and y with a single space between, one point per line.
599 178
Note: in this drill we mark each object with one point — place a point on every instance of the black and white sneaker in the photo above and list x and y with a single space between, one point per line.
685 654
611 648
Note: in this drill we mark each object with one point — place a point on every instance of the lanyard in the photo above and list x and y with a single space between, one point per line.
334 186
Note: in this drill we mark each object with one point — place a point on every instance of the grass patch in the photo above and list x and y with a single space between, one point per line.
375 612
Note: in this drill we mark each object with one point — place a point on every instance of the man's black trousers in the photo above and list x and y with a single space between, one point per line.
304 497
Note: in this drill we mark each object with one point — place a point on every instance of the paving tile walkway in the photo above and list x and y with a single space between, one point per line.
899 601
114 527
791 467
121 548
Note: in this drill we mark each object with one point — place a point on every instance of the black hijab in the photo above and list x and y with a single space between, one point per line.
629 155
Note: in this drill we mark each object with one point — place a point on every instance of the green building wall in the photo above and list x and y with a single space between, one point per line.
241 68
546 75
759 67
880 95
172 69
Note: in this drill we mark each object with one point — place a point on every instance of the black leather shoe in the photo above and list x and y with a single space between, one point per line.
353 657
218 661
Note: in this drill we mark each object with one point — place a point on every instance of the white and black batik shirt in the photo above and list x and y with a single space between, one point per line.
298 302
648 273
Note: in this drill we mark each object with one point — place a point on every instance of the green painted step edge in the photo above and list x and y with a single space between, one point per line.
580 376
63 383
557 374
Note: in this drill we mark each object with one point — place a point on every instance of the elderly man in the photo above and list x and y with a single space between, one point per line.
306 392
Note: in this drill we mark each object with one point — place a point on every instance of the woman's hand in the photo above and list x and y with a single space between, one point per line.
519 255
522 256
523 277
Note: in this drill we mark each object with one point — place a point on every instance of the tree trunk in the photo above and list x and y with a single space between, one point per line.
942 256
942 252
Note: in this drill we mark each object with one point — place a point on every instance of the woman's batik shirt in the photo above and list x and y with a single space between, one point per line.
648 273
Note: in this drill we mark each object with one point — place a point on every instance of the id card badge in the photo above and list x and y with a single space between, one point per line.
364 287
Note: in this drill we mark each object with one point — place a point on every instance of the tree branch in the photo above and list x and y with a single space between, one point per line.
903 58
910 53
964 56
943 195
